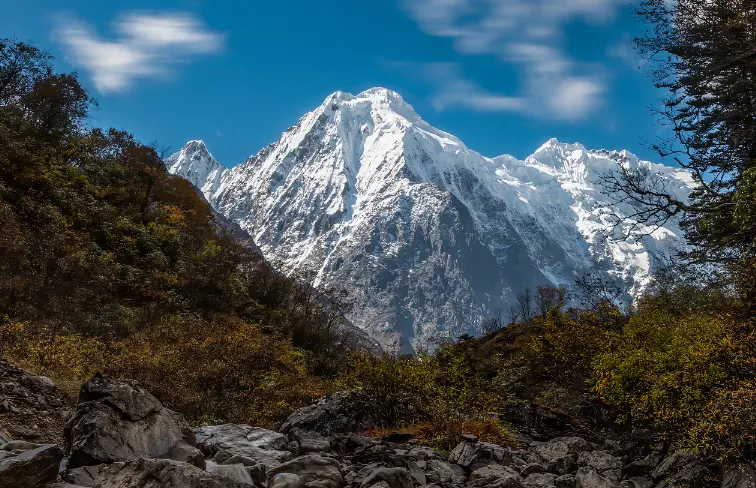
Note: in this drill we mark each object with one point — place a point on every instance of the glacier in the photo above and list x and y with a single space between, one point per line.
428 236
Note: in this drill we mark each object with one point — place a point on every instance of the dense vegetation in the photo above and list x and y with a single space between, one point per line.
107 263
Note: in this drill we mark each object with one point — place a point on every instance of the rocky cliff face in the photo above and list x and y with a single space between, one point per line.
428 236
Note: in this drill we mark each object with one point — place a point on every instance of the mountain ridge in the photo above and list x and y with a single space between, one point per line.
429 235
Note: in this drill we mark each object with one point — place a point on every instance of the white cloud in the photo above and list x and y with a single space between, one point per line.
146 46
528 34
568 99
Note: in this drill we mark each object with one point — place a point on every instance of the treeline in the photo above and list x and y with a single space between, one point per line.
108 263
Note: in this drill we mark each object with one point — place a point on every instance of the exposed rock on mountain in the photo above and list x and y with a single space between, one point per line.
427 235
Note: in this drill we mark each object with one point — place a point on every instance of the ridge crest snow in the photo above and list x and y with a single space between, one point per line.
428 236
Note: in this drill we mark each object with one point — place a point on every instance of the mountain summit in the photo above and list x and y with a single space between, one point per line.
428 236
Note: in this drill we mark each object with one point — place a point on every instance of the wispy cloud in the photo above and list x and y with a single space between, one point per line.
527 33
145 45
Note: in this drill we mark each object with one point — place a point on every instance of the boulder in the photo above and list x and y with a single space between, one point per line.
444 473
308 441
540 480
565 481
161 473
234 471
560 455
474 455
262 446
84 475
674 463
286 480
315 471
599 460
32 468
338 413
392 477
590 478
495 476
637 482
119 421
740 477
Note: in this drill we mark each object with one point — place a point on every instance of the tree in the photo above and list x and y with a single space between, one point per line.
704 55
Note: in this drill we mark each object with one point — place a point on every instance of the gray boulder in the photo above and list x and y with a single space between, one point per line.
474 455
392 477
234 471
560 455
599 460
495 476
674 463
308 441
286 480
161 473
540 480
32 468
338 413
590 478
120 421
740 477
444 473
262 446
315 471
84 475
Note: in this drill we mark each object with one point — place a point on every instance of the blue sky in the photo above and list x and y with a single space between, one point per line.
502 75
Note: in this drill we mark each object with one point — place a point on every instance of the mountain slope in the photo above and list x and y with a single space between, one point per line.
428 236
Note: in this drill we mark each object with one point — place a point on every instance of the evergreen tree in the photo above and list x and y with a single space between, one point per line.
704 54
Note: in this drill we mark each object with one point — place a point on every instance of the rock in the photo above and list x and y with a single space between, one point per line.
565 481
243 460
560 455
83 476
31 407
590 478
315 471
393 477
120 421
417 473
234 471
308 441
19 446
674 463
529 469
225 441
161 473
469 438
495 476
31 468
334 414
286 480
258 473
599 460
444 473
637 482
474 455
540 480
740 477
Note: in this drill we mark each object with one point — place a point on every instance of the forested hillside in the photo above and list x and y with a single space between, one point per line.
107 263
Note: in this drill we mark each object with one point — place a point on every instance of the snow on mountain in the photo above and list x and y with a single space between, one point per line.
428 236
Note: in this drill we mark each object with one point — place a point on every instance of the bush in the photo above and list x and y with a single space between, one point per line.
434 397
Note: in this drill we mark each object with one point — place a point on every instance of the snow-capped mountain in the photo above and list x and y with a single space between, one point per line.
428 236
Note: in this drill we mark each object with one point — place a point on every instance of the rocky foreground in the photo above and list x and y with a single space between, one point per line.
121 436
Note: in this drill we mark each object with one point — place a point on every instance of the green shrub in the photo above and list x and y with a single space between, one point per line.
437 397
